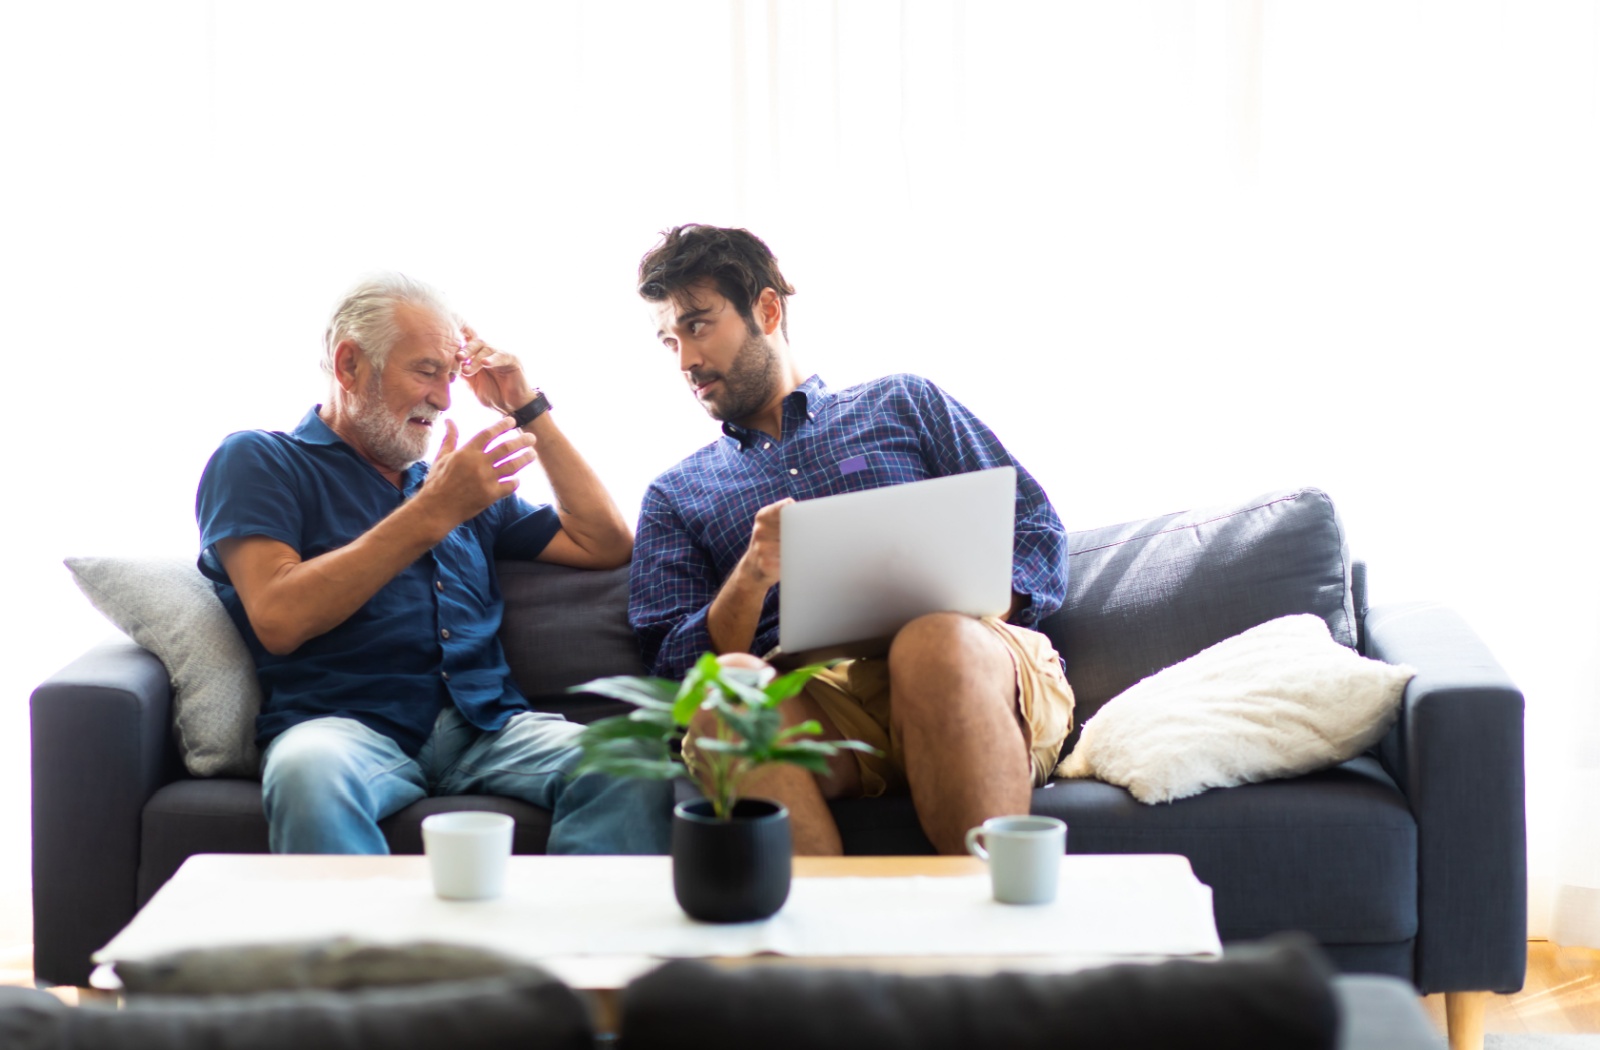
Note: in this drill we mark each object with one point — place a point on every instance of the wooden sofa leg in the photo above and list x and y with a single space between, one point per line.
1463 1019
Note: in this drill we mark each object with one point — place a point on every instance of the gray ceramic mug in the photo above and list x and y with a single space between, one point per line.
1023 854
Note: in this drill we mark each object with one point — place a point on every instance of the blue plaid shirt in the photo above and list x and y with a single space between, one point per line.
695 521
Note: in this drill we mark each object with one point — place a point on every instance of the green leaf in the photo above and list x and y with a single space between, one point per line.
757 727
623 727
753 697
808 747
652 693
692 693
711 745
641 768
780 689
686 704
812 763
810 727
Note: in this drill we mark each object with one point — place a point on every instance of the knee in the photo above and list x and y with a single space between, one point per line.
939 643
943 652
306 765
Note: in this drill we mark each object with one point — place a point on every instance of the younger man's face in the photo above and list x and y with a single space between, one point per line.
731 370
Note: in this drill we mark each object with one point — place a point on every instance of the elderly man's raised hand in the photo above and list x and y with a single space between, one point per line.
495 376
467 480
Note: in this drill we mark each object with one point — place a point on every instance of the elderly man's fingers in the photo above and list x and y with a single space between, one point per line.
483 438
447 444
514 464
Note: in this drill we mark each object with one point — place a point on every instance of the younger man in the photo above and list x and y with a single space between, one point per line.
969 714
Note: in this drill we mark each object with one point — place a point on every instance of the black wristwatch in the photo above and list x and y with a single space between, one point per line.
533 409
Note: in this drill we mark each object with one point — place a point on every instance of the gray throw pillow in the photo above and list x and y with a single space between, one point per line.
166 606
1144 595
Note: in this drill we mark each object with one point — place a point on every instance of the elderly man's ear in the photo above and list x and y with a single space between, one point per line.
348 361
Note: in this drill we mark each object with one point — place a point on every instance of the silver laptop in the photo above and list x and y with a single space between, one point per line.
859 566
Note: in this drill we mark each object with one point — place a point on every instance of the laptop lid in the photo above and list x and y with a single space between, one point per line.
859 566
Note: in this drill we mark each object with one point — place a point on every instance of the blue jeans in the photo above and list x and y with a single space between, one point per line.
327 782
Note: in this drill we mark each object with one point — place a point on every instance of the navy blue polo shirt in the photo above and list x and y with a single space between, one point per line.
427 638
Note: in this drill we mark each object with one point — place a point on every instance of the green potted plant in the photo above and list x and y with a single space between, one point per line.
730 853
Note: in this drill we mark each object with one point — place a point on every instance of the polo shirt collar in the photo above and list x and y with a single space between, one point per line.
314 431
803 403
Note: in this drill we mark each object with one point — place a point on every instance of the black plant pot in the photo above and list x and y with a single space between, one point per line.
733 870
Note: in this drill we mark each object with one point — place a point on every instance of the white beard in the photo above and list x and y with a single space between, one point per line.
390 439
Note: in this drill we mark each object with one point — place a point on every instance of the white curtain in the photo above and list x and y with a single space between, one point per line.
1176 253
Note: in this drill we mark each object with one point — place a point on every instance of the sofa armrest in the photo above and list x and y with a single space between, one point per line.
101 746
1457 753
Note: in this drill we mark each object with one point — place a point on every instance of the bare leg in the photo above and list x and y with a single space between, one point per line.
954 708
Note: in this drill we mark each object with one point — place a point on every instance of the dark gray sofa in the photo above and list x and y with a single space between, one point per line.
1408 860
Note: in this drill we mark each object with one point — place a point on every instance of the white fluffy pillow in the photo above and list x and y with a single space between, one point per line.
1278 700
166 606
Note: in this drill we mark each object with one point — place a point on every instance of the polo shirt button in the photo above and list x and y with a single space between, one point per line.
792 470
438 585
445 675
445 633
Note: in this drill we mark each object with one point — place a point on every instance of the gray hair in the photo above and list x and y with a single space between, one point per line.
366 315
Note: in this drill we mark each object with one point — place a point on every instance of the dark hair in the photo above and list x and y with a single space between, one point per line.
737 260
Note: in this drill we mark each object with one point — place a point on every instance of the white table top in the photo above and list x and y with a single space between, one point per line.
599 921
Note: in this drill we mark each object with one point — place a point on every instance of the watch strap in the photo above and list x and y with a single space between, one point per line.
533 409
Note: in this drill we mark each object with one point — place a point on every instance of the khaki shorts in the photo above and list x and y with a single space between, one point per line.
855 697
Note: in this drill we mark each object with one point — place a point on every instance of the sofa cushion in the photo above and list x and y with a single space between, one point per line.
526 1007
224 815
335 964
1332 853
1274 995
1145 594
166 606
563 627
1278 700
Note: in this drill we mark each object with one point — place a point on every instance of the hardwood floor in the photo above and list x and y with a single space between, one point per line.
1562 993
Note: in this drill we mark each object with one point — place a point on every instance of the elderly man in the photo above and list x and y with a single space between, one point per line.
362 580
968 714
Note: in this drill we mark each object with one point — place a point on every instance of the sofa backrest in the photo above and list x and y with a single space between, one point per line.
1146 594
1141 596
563 627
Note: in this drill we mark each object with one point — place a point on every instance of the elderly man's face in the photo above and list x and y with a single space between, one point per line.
396 410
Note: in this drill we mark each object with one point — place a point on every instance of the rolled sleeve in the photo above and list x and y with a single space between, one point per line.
959 442
523 530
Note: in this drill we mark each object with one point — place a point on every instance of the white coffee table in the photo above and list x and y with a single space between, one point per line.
599 922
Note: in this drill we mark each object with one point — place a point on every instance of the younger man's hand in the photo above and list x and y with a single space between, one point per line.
763 558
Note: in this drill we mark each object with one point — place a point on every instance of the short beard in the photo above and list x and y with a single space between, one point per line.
748 383
387 439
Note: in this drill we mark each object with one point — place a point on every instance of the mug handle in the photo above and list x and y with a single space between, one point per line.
974 847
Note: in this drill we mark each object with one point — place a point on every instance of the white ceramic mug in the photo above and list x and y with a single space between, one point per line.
1023 854
467 853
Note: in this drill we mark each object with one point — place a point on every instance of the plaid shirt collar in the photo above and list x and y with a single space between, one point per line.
801 406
